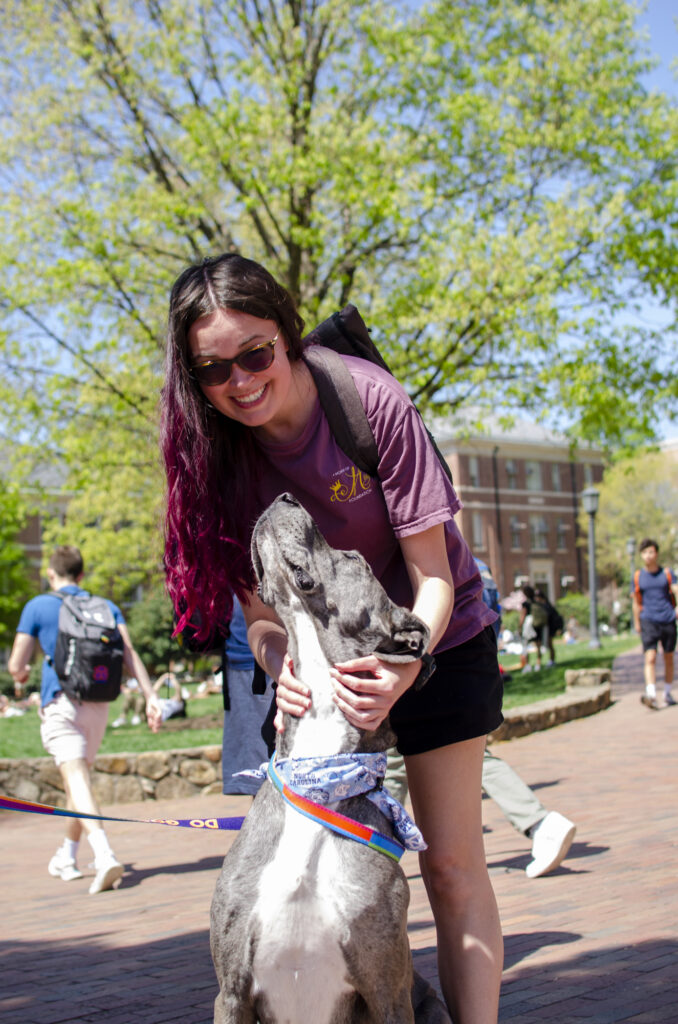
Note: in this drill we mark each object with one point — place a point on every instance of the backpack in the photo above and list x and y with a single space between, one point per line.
639 594
556 621
89 649
540 614
345 332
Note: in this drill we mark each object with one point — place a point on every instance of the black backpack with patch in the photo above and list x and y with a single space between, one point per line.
345 332
89 649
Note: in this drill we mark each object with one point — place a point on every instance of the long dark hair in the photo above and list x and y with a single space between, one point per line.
212 461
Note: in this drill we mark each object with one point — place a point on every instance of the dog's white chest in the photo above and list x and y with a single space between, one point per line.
323 728
299 963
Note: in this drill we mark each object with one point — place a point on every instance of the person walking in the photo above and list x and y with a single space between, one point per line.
241 424
529 630
551 832
654 617
548 617
72 731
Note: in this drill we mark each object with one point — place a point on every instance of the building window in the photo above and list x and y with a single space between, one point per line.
473 473
516 539
588 474
555 476
561 534
512 475
478 533
539 533
533 474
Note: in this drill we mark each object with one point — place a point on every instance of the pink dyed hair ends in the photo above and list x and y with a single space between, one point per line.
212 462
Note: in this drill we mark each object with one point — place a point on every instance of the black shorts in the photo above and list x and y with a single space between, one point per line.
652 633
461 700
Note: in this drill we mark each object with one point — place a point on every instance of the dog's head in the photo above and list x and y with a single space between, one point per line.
353 614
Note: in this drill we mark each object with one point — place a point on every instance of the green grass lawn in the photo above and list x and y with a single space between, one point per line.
20 737
549 682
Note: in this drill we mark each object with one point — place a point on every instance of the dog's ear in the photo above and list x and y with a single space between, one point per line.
408 637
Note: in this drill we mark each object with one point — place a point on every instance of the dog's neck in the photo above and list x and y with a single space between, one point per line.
323 729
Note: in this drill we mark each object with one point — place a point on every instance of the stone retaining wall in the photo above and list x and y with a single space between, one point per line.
168 774
578 701
120 778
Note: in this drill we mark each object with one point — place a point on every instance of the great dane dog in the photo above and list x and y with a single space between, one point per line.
309 926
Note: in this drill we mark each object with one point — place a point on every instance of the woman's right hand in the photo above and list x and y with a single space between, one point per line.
291 696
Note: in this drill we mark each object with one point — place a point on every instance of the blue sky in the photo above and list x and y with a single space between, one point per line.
659 19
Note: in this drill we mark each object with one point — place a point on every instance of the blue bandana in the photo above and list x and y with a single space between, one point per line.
327 780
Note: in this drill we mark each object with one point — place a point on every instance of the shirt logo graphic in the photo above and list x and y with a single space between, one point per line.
351 484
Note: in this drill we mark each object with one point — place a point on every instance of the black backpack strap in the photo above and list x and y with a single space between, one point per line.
343 408
53 593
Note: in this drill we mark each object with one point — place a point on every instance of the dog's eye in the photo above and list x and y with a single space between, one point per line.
302 578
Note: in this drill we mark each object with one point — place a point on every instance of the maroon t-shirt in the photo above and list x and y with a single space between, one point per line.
356 512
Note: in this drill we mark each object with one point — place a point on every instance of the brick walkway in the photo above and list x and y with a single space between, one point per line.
596 941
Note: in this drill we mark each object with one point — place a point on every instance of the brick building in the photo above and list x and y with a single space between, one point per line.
521 489
48 498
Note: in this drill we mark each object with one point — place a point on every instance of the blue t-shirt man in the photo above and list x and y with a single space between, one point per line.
654 617
40 619
654 588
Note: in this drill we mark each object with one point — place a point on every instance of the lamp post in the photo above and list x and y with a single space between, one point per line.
589 498
631 551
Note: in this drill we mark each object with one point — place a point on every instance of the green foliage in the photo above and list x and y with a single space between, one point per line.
578 607
638 498
575 606
490 183
15 584
510 620
151 623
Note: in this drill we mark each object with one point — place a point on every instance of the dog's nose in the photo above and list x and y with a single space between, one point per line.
288 498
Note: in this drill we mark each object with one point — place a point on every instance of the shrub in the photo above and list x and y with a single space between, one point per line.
577 606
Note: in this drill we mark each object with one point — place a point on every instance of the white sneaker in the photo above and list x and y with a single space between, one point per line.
107 875
135 720
118 722
550 843
63 867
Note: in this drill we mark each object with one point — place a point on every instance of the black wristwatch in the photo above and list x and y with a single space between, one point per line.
428 667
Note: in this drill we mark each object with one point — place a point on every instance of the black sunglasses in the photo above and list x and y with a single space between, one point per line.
218 371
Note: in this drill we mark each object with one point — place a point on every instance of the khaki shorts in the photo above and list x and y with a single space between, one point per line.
71 731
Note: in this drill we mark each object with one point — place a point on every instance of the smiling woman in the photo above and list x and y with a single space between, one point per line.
231 448
246 376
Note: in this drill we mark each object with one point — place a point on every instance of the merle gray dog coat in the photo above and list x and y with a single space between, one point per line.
310 927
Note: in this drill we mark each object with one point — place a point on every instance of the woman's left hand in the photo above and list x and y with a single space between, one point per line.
367 701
